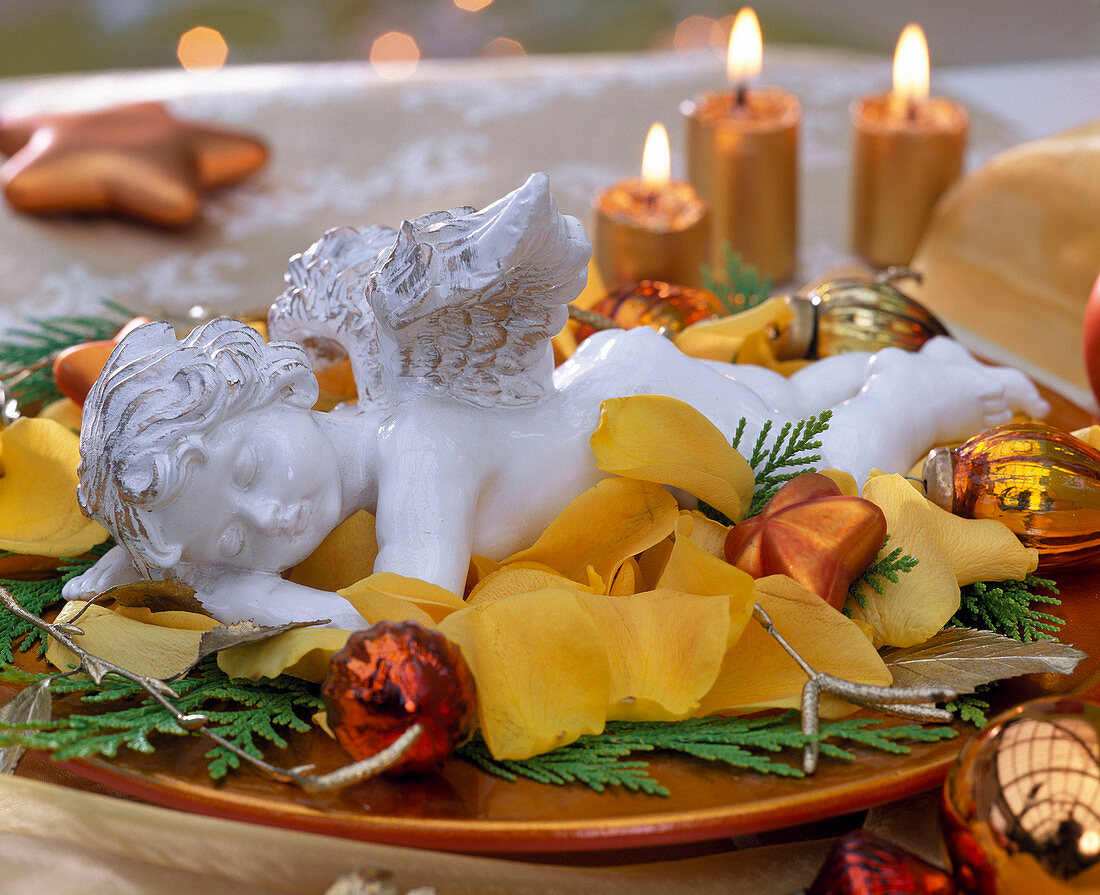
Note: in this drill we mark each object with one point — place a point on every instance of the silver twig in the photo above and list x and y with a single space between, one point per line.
97 668
591 318
908 702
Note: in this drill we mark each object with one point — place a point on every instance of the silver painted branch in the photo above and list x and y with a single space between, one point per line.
908 702
98 668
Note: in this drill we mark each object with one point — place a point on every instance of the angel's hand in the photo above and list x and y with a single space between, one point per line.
112 569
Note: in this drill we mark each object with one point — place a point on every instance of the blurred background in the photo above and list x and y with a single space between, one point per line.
46 36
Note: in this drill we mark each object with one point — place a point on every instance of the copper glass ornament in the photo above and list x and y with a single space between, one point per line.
1043 483
1021 806
666 307
863 864
857 315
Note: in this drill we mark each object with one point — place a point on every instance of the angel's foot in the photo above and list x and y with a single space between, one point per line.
962 392
1007 392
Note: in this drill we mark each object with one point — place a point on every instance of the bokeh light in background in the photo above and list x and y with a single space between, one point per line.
394 55
202 49
472 5
503 46
88 35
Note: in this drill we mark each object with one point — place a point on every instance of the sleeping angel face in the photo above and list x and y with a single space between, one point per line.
263 497
206 451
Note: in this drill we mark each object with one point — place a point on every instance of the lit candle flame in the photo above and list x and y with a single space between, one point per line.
910 70
656 164
746 49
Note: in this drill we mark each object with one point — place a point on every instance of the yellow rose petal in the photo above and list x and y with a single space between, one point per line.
758 673
982 549
922 600
665 649
1090 435
38 509
845 481
660 439
522 578
153 650
303 653
626 579
480 568
704 531
757 350
721 338
345 556
64 411
541 670
614 519
691 569
409 598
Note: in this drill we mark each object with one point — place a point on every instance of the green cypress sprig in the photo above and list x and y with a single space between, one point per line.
1008 607
789 456
741 288
27 354
970 708
886 568
36 597
610 759
248 713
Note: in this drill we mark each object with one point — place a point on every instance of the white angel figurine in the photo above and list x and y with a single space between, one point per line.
205 461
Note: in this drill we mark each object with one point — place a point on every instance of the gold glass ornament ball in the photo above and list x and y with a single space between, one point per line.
1041 482
1021 805
857 314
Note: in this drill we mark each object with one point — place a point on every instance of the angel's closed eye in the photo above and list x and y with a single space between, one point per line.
245 467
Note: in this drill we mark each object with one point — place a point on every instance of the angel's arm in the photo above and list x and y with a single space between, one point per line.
428 492
235 594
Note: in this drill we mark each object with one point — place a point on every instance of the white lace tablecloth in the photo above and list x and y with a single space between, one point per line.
349 148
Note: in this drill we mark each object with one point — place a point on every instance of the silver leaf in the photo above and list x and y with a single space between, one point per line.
95 668
168 595
247 631
33 703
965 659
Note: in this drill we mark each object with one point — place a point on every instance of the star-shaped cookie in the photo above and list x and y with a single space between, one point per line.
136 160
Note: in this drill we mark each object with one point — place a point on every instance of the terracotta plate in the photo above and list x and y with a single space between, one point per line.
463 809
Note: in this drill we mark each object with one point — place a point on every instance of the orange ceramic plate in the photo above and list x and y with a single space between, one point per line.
461 808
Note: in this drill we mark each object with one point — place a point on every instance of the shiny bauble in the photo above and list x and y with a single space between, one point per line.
1041 482
861 863
856 315
666 307
1091 332
1021 806
391 676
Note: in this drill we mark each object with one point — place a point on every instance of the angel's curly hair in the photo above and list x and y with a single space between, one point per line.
146 418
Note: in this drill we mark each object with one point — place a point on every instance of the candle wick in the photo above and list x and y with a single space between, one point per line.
742 93
911 109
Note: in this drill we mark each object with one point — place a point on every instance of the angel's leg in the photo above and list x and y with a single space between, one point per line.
822 384
913 401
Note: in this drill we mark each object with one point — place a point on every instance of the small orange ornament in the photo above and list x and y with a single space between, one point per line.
136 160
664 306
76 369
391 676
812 533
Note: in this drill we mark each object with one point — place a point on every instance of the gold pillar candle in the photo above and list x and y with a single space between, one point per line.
652 228
742 150
907 149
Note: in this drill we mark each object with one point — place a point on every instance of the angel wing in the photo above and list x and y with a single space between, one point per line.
324 306
458 303
466 301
